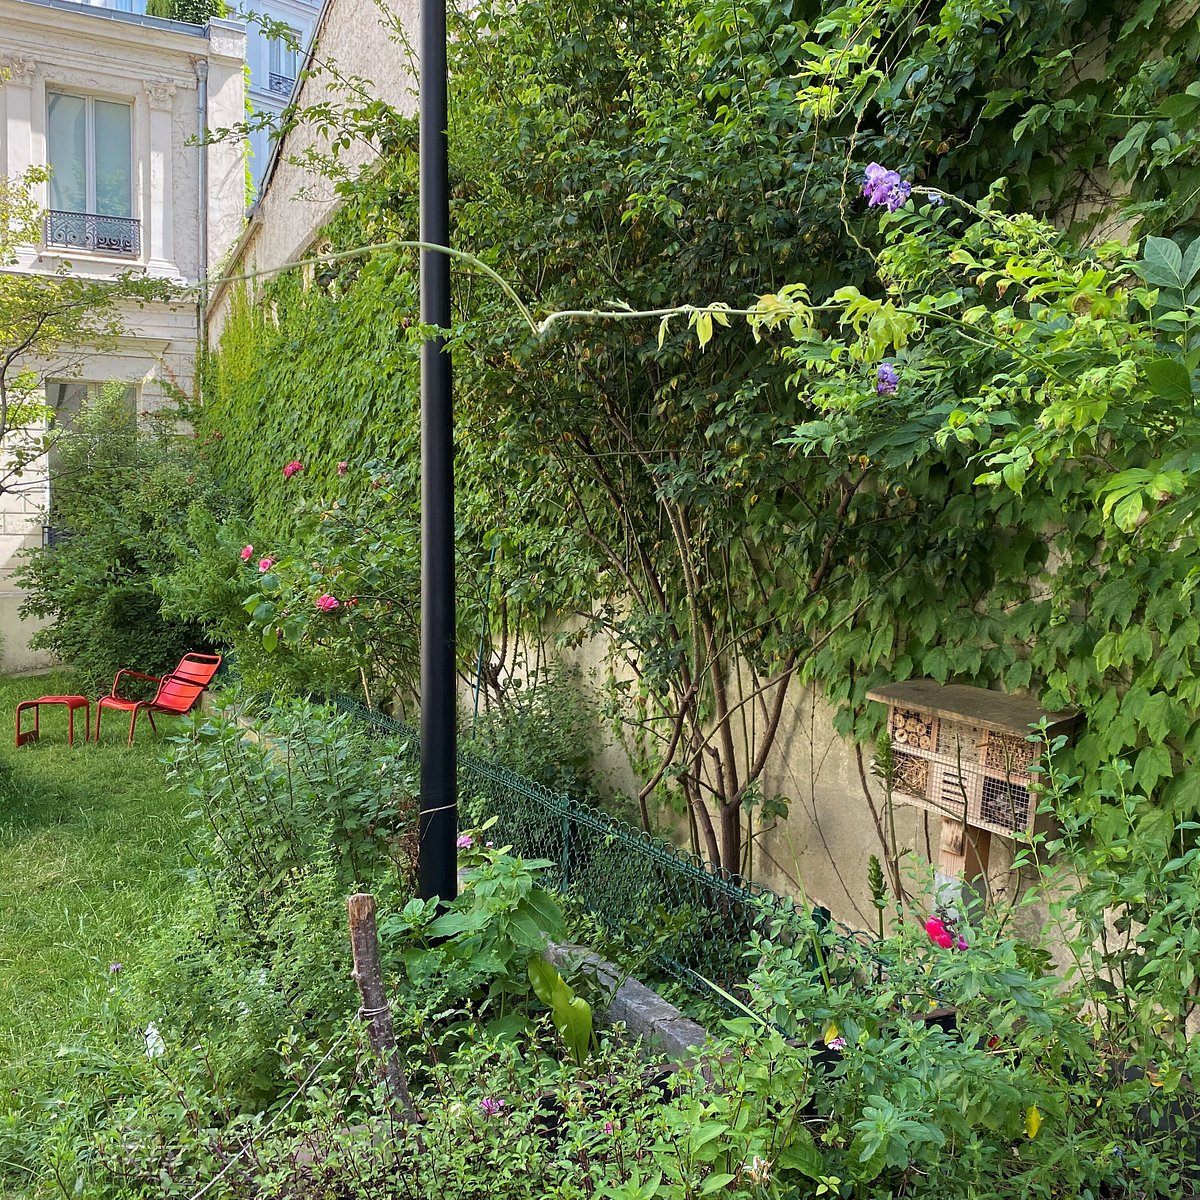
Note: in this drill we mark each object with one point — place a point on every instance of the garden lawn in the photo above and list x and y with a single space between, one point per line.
91 845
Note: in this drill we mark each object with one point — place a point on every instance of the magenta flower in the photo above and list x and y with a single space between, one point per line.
465 841
490 1107
939 935
609 1128
328 603
293 468
343 466
247 553
962 942
265 564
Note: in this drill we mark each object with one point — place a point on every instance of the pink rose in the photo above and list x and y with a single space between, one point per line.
265 564
247 553
293 468
328 603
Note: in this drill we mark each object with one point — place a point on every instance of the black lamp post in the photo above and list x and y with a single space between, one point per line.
439 786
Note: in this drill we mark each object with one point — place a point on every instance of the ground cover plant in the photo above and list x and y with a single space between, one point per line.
230 1058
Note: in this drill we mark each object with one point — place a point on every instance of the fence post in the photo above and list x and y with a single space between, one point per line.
368 974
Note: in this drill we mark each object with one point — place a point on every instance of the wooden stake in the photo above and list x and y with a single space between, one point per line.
368 974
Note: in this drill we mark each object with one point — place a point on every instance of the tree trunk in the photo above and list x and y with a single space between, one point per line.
731 838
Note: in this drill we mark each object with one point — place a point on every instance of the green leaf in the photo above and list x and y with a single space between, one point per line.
264 611
544 979
1153 764
1162 263
451 923
1170 379
801 1154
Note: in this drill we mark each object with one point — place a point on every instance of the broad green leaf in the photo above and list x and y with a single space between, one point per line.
1162 263
544 979
264 611
801 1153
574 1023
1170 379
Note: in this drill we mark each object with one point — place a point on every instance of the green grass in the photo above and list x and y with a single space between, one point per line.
91 845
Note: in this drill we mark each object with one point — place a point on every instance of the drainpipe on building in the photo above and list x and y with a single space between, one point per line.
202 201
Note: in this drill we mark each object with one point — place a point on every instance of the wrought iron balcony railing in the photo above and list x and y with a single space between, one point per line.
280 84
92 231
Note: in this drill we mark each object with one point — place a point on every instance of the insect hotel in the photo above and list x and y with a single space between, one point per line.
962 752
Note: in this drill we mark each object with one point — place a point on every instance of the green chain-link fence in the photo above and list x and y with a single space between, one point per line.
694 920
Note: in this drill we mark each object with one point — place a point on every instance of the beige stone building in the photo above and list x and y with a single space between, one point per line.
115 104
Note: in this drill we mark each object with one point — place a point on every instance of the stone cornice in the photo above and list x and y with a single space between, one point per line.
19 68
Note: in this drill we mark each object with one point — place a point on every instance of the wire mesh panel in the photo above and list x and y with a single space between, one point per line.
695 921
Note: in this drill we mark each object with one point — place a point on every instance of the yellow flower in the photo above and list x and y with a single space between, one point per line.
1033 1121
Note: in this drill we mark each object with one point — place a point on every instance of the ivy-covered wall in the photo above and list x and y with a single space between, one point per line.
757 541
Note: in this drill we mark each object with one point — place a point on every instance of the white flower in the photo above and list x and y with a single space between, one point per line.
155 1046
759 1171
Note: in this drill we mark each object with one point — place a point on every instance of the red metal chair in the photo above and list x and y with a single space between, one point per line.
177 692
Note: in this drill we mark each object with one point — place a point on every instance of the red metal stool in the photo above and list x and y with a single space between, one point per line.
72 703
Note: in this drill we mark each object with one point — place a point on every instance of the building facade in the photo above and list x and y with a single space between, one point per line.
273 63
115 104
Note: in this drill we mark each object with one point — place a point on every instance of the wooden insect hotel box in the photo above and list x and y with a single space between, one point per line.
963 753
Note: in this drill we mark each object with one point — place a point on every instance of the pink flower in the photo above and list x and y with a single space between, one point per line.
342 467
328 603
609 1127
962 942
265 564
939 935
293 468
465 841
838 1043
490 1107
247 553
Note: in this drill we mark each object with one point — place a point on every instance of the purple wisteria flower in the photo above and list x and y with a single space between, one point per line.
881 186
886 379
491 1107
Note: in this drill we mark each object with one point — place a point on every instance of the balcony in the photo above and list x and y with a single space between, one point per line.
90 231
281 85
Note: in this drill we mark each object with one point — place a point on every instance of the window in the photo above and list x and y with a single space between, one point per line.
284 62
91 183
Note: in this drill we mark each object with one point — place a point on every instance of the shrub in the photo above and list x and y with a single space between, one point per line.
546 729
121 493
